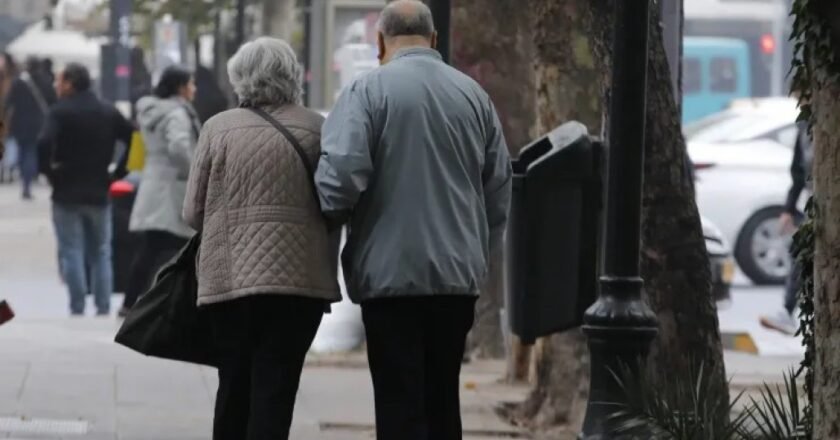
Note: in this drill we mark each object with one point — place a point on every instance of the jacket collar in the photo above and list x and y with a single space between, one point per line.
417 51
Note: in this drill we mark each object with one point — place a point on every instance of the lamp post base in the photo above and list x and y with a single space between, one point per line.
620 328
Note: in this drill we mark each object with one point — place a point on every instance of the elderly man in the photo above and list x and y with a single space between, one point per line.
414 156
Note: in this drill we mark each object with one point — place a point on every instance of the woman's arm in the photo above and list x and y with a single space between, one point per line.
178 136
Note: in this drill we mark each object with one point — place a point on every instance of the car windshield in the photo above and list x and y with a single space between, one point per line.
734 128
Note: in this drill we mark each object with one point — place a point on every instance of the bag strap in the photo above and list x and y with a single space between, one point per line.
36 92
310 170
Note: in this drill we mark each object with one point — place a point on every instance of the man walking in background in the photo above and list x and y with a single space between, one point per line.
414 156
800 172
76 150
27 104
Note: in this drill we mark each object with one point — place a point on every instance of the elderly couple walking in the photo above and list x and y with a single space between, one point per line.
413 159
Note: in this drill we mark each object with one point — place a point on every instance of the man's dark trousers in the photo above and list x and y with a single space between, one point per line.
415 349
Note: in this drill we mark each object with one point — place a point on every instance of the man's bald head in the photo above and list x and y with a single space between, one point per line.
406 18
404 24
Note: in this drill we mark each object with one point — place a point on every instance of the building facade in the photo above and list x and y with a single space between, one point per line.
26 11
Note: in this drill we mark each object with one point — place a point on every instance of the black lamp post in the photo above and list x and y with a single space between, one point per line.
620 326
441 13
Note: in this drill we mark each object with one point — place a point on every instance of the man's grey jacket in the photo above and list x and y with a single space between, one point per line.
414 154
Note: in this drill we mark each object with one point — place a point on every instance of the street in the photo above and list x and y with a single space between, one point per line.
63 378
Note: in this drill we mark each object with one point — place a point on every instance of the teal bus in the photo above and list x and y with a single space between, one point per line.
715 72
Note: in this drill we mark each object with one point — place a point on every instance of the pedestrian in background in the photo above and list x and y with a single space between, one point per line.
784 320
76 150
414 156
264 270
27 104
170 127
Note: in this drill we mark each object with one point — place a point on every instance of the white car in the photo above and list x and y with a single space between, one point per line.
742 157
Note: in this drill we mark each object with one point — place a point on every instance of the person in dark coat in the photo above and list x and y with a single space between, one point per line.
76 150
27 104
800 172
209 98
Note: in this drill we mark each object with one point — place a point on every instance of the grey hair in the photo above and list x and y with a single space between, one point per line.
406 18
266 72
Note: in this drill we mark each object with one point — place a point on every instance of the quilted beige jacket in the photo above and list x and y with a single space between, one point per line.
251 198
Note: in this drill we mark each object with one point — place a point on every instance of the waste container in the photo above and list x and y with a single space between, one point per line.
553 237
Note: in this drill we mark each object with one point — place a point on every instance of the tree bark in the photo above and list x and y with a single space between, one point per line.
570 37
675 263
501 62
825 105
573 43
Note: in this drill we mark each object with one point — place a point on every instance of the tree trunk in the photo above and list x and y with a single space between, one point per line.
501 62
675 264
573 43
825 105
570 38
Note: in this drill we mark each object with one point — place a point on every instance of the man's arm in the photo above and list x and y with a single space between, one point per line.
345 166
46 144
497 177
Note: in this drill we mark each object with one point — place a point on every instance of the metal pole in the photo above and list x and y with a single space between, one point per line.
441 13
620 326
307 50
121 36
240 22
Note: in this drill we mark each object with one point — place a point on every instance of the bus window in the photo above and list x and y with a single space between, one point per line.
692 76
724 75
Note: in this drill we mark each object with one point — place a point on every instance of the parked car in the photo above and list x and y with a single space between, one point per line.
720 259
742 188
748 120
742 160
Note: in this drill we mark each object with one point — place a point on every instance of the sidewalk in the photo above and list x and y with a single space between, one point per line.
63 378
70 374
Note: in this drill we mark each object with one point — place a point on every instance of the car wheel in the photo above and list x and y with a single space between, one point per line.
763 251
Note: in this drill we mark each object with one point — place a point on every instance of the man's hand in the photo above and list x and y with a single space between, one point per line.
786 223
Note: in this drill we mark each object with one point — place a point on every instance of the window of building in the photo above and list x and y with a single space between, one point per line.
724 75
692 76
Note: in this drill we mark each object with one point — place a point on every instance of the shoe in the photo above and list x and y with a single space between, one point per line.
782 322
123 312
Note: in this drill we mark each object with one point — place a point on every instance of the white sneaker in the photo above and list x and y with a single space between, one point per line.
782 322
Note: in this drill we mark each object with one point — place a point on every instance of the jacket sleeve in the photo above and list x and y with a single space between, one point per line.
345 166
196 195
798 177
46 144
497 178
178 135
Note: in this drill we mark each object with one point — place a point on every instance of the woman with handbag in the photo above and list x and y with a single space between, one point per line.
265 269
170 127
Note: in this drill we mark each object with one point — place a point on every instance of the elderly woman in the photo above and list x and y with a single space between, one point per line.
265 269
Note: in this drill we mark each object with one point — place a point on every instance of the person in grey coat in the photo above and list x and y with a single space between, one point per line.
414 157
170 127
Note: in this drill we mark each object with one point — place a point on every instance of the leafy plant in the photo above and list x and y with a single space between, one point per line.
690 408
803 250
